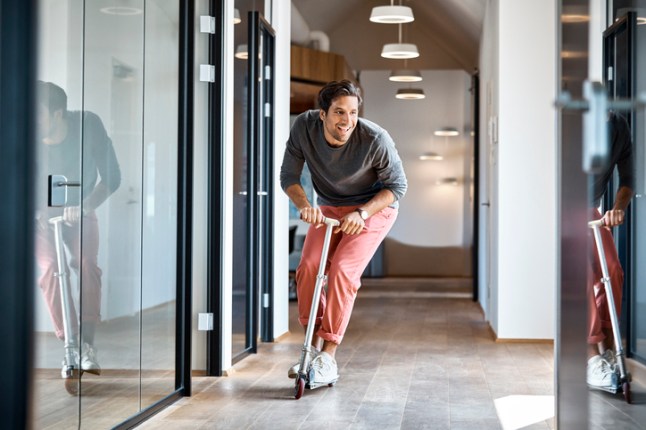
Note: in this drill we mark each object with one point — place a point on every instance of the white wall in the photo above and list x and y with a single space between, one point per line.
523 239
429 214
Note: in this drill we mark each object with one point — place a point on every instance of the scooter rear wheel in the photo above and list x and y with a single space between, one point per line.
626 389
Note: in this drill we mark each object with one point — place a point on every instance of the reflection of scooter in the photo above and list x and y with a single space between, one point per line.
307 353
71 368
624 376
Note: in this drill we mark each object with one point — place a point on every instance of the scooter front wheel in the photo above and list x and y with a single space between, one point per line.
299 387
72 382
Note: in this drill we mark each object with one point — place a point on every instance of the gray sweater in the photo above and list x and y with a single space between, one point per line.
348 175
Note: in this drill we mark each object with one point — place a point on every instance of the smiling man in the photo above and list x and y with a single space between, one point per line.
358 178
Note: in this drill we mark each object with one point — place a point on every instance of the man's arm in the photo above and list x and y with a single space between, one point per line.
616 215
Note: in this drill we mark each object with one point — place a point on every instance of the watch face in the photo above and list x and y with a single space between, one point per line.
364 214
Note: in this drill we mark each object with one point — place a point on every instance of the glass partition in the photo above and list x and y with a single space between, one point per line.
107 220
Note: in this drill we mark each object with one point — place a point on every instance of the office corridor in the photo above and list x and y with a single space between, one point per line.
411 359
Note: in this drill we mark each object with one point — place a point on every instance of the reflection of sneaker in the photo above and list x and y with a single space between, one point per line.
601 375
323 371
293 371
89 362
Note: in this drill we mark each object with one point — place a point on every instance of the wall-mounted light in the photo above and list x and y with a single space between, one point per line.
391 14
447 132
121 10
242 52
431 156
400 51
447 181
236 16
405 75
410 94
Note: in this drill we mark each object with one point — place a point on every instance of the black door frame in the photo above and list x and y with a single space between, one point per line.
17 158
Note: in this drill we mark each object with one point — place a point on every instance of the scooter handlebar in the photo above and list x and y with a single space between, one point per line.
596 223
331 221
56 219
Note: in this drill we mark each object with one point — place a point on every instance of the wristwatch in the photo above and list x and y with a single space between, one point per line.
363 213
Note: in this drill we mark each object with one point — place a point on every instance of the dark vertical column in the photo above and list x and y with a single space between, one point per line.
571 347
17 77
185 197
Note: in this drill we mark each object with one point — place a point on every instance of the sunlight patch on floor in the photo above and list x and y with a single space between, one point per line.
516 412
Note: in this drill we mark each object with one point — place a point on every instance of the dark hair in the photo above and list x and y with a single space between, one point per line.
51 96
335 89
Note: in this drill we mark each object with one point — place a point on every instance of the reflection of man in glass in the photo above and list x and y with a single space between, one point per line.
61 132
602 369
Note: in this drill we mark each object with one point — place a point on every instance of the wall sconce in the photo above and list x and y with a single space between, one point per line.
447 181
447 132
432 156
410 94
236 16
391 14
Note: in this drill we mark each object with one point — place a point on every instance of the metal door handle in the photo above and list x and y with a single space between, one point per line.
57 190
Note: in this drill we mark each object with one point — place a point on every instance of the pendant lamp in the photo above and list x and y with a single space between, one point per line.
400 50
391 14
410 94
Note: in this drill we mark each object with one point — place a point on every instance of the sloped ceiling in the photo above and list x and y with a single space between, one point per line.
446 32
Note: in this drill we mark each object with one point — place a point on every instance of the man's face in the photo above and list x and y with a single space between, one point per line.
340 119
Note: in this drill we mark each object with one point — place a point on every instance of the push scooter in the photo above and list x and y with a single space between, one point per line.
624 376
71 369
307 353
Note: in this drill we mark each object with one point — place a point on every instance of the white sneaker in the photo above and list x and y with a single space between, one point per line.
293 371
89 362
609 356
601 375
323 371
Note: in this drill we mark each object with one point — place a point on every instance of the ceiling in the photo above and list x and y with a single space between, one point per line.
446 32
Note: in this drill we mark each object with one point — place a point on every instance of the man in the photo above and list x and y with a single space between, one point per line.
601 369
65 135
358 177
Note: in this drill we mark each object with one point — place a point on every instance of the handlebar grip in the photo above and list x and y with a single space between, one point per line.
331 221
596 223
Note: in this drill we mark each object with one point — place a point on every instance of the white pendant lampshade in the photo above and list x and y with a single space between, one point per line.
405 75
242 52
236 16
400 51
391 14
410 94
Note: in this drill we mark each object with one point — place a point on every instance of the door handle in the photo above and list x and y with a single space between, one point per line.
595 105
57 190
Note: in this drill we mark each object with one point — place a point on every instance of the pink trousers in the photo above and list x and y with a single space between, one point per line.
598 313
85 259
348 257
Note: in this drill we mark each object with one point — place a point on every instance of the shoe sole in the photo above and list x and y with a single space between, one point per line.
315 385
612 390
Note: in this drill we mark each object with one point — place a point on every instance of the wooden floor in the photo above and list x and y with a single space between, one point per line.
410 361
416 356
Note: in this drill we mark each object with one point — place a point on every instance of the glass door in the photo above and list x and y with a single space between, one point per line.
106 244
253 154
261 66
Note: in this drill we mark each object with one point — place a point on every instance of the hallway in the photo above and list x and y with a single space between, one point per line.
411 359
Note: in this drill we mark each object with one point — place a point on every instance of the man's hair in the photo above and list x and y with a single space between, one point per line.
52 96
335 89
